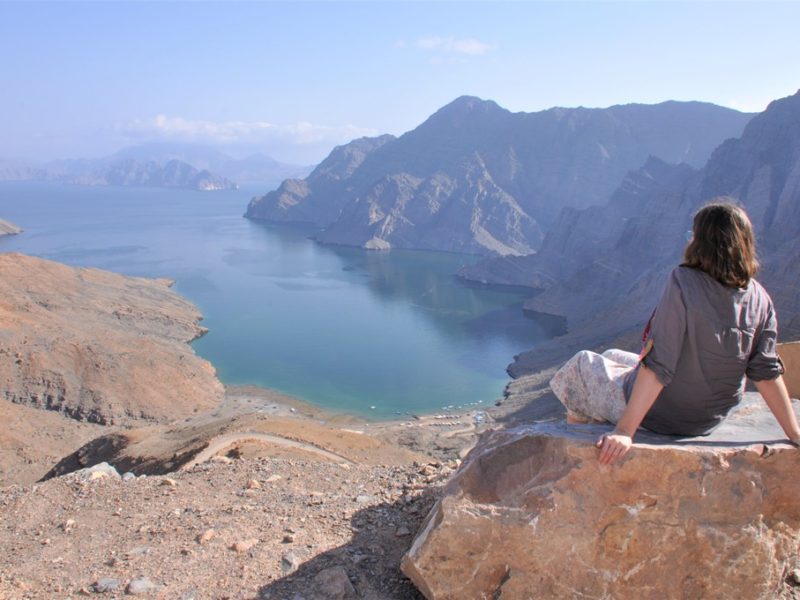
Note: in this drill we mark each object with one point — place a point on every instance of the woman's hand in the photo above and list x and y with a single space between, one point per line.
645 391
613 446
777 398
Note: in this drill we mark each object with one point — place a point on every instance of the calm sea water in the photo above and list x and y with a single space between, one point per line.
375 334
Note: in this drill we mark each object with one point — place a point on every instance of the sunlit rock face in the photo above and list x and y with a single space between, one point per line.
477 178
532 514
97 346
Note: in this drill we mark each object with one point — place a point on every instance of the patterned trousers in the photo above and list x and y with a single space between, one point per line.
590 385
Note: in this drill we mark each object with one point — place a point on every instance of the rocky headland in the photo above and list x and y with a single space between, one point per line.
97 346
8 228
477 178
83 350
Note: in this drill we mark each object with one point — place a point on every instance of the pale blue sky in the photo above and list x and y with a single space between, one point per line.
293 79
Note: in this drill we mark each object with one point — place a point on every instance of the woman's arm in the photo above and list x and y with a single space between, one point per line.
777 398
616 444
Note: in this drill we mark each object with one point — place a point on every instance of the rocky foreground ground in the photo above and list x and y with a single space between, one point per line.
328 514
227 528
322 506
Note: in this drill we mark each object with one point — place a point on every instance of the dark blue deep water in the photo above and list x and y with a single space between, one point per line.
342 328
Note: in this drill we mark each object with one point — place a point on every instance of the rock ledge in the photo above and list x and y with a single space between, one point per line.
532 514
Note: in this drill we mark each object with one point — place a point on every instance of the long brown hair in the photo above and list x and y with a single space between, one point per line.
723 244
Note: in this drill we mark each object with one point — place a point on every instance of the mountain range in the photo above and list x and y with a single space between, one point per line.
602 267
477 178
585 207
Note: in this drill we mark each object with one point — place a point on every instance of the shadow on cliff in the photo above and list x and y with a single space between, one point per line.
371 558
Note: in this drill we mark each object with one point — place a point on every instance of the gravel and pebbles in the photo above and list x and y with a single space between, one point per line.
264 528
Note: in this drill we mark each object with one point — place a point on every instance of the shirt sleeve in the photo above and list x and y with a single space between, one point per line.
667 332
764 363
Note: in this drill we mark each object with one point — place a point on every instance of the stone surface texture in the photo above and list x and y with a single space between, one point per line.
97 346
532 514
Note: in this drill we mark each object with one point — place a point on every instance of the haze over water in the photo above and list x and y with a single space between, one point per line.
340 327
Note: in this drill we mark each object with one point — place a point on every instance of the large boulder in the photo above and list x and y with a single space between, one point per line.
532 514
790 353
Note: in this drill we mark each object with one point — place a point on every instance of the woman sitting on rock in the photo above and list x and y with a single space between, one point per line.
714 326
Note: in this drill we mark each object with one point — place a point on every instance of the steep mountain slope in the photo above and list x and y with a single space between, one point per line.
477 178
602 268
319 197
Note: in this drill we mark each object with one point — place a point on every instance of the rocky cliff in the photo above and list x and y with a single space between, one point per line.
321 196
117 171
531 513
477 178
97 346
7 228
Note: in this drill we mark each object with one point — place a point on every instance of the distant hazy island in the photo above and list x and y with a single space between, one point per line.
7 228
124 172
177 166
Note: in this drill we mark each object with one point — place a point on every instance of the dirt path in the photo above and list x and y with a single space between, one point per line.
224 441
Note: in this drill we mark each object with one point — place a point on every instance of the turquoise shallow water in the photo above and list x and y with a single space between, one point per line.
375 334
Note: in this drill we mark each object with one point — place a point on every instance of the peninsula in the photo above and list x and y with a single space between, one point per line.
7 228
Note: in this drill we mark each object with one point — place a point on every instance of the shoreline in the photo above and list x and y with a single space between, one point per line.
180 407
443 435
300 406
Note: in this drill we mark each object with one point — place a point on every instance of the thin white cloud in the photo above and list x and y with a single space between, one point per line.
163 127
452 45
